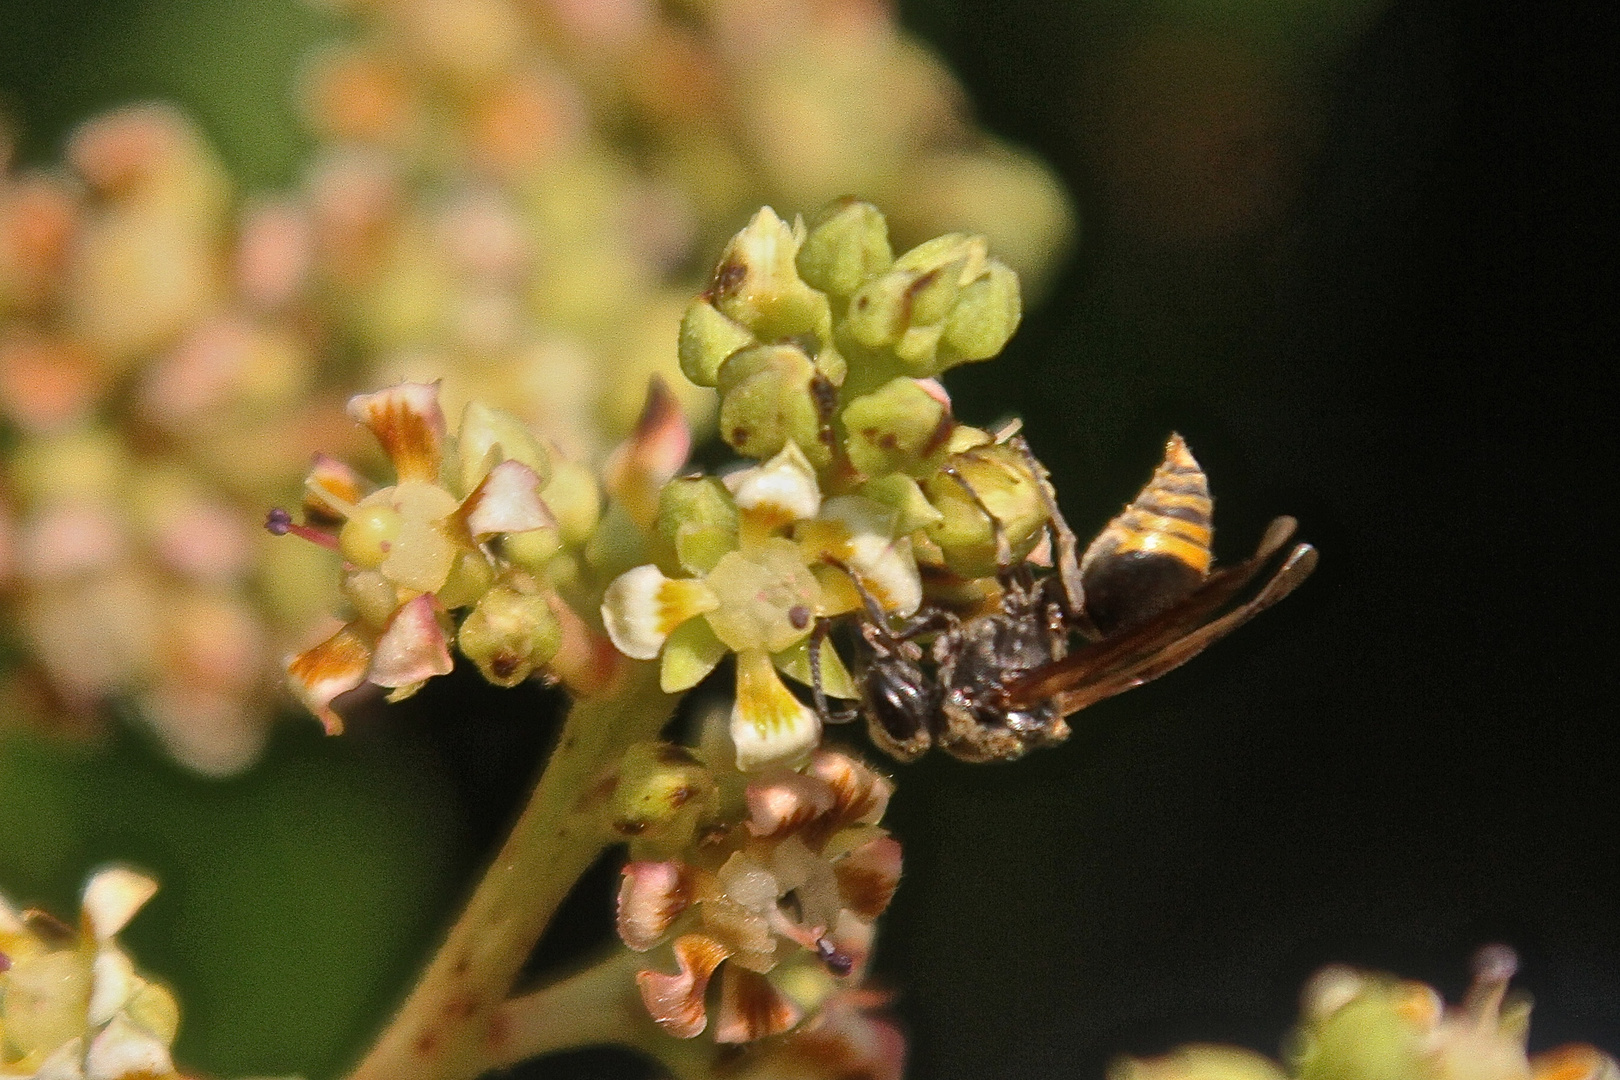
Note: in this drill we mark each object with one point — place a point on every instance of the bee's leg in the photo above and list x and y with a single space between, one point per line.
1066 551
818 638
1004 560
877 628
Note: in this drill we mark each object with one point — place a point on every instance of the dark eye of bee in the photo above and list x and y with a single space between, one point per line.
901 698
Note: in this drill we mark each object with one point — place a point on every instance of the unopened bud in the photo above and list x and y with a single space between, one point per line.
374 597
707 339
471 575
905 497
663 793
757 282
575 501
532 549
990 482
898 428
767 399
983 319
509 634
489 436
698 521
846 247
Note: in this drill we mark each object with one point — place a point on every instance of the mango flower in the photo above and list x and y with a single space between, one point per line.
415 550
785 898
72 1006
761 554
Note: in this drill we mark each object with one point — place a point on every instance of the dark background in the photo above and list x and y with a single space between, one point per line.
1363 266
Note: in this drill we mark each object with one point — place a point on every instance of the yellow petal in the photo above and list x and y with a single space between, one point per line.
768 724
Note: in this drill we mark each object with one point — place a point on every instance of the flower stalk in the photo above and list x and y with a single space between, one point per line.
451 1026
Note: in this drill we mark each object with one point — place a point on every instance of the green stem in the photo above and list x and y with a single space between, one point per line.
447 1028
598 1006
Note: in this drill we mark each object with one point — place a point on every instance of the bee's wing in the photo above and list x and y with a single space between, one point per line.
1295 569
1111 666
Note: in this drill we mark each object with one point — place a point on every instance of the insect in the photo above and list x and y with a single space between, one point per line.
1144 598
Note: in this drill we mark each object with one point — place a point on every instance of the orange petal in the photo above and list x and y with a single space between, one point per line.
785 801
409 424
751 1008
863 795
868 876
333 667
331 489
413 648
653 454
1574 1062
506 500
676 1001
651 896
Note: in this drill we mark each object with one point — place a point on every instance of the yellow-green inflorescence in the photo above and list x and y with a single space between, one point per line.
1360 1025
825 349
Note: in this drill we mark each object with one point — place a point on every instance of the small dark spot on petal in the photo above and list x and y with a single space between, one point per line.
799 616
627 827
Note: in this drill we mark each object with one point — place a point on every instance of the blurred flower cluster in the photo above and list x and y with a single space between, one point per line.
155 387
1359 1025
516 197
515 200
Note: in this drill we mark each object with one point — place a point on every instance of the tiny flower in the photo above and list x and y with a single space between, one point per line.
417 552
785 899
72 1004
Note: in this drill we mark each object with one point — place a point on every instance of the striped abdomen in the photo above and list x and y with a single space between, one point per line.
1156 551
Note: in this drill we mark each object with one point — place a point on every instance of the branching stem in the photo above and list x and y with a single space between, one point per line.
451 1027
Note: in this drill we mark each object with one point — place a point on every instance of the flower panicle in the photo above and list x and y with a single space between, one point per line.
773 891
1361 1025
452 554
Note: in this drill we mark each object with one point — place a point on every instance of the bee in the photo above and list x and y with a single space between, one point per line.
1143 599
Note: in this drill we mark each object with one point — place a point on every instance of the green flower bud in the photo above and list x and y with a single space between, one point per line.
373 596
983 318
847 246
768 398
490 436
471 575
1000 479
663 794
880 311
707 338
575 501
509 634
898 428
532 549
905 497
758 285
697 520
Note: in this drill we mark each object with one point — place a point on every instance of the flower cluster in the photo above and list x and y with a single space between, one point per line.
462 528
824 348
72 1006
781 888
1358 1025
154 395
510 196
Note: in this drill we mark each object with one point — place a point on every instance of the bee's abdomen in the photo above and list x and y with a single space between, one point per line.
1156 551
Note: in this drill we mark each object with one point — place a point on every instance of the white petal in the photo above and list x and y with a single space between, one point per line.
507 500
113 980
642 606
112 897
782 490
124 1050
884 564
64 1064
768 724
